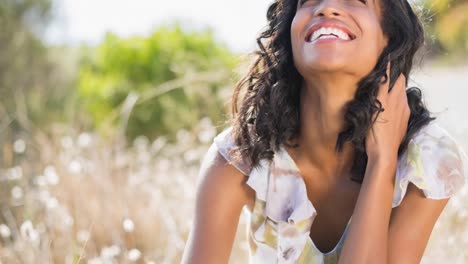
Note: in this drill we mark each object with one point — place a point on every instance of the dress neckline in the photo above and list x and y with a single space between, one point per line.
302 182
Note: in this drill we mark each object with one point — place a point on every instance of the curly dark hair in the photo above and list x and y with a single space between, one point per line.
268 114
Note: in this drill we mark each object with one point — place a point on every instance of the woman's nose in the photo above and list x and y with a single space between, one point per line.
328 8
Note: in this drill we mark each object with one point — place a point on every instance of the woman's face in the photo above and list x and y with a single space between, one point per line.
359 20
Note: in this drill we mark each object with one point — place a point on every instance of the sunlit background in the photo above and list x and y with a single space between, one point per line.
108 106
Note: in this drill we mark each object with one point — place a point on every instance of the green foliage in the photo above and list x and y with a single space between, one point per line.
159 84
452 28
448 23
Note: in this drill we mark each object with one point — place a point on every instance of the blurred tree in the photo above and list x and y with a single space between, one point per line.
447 22
31 96
28 84
159 84
31 89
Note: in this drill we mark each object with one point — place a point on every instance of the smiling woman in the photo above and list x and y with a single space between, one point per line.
325 132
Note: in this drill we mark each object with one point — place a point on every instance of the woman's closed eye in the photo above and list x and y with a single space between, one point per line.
362 1
301 2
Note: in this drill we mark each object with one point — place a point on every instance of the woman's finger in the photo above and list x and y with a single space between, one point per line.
399 88
401 82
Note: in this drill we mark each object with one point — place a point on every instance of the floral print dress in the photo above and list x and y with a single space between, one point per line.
279 226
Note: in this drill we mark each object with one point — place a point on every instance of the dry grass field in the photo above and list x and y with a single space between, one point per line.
88 199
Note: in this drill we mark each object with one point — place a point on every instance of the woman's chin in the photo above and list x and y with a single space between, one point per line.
326 65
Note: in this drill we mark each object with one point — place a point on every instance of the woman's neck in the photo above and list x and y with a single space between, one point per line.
322 109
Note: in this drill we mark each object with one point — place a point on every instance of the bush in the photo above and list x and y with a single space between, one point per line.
447 23
159 84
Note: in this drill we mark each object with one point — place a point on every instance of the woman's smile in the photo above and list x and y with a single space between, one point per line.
324 39
327 36
329 27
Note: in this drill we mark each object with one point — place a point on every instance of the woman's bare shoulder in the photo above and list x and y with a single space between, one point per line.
219 177
221 194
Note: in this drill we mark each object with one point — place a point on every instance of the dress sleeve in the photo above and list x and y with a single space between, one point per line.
434 162
225 144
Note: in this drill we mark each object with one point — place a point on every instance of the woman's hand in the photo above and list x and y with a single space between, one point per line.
388 131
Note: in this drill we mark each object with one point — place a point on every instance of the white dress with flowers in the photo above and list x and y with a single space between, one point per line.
279 226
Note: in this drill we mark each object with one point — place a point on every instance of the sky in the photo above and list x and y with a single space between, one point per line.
236 23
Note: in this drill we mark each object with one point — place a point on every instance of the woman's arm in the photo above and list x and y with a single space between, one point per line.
366 240
221 195
383 235
377 233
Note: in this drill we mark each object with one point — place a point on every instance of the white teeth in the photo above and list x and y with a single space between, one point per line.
327 31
